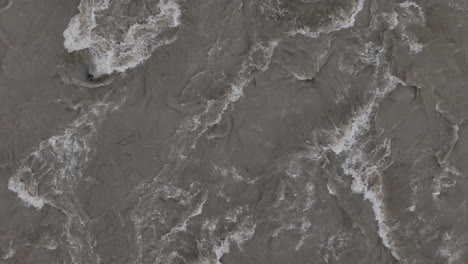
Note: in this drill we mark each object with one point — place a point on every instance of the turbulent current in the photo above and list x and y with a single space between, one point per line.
233 131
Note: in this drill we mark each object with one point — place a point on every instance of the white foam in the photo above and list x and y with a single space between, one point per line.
259 59
191 201
136 45
198 210
9 252
245 231
310 199
444 180
303 232
331 189
336 243
299 226
101 5
280 194
215 109
56 165
245 74
78 34
392 19
419 17
221 250
451 248
447 177
458 6
72 41
336 25
303 76
409 16
187 134
233 173
238 177
413 44
346 138
278 231
249 69
358 126
244 234
363 169
18 187
294 168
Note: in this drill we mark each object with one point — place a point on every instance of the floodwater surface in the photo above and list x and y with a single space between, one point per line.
233 131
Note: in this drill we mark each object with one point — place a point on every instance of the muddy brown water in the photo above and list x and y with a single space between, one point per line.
215 131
